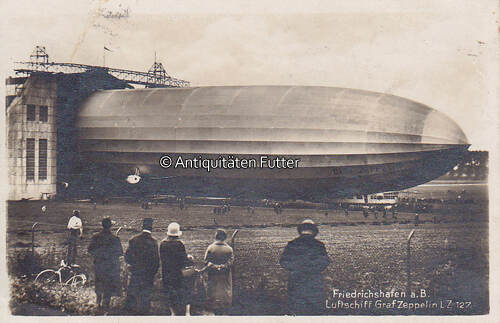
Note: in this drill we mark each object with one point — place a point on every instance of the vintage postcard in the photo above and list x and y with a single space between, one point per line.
276 159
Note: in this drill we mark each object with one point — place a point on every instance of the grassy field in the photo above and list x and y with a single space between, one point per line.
449 190
449 257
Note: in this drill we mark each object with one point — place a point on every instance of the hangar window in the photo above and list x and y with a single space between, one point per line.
43 114
42 159
31 113
30 159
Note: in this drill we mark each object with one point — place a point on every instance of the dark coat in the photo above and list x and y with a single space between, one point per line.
173 258
305 258
142 256
106 249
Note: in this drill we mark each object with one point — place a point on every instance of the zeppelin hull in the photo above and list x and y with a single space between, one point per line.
347 141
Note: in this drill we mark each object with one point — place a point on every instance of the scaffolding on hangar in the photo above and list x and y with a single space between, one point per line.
156 76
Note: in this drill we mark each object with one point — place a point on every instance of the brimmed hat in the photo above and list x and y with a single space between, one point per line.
308 227
76 212
147 224
174 230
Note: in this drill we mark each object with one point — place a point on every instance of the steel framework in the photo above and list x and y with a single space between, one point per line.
155 77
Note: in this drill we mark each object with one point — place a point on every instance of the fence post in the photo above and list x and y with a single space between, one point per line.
408 263
33 239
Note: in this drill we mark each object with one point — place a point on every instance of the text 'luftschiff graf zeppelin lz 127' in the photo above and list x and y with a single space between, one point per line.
228 162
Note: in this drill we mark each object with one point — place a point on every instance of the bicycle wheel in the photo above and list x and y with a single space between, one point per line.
76 280
48 277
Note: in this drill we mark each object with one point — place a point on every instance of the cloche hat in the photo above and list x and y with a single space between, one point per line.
308 227
174 230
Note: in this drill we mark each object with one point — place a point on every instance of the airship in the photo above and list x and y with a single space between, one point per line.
296 142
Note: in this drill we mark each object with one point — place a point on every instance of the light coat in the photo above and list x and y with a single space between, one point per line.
220 281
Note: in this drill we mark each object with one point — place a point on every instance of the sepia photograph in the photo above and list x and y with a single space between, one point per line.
329 158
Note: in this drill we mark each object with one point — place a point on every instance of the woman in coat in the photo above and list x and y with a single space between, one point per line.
219 260
106 249
173 258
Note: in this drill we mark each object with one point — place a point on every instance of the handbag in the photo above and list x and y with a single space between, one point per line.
188 271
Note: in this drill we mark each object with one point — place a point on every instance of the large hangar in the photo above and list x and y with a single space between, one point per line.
41 105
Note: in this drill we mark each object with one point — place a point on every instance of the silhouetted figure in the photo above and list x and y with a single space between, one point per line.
305 258
106 249
365 212
92 194
189 283
226 207
142 256
277 208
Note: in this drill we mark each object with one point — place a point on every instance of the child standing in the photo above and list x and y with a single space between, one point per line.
189 274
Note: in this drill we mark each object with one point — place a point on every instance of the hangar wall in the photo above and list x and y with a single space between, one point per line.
31 140
40 115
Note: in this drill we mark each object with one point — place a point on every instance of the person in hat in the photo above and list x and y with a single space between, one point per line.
144 261
106 249
75 228
305 258
219 260
173 258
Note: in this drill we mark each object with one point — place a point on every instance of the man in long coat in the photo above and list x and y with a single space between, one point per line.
305 258
106 249
142 256
219 260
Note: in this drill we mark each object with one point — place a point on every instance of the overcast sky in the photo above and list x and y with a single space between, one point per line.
440 53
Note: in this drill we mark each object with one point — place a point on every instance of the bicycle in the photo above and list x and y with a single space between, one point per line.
68 275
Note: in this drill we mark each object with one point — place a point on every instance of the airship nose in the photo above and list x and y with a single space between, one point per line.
440 129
